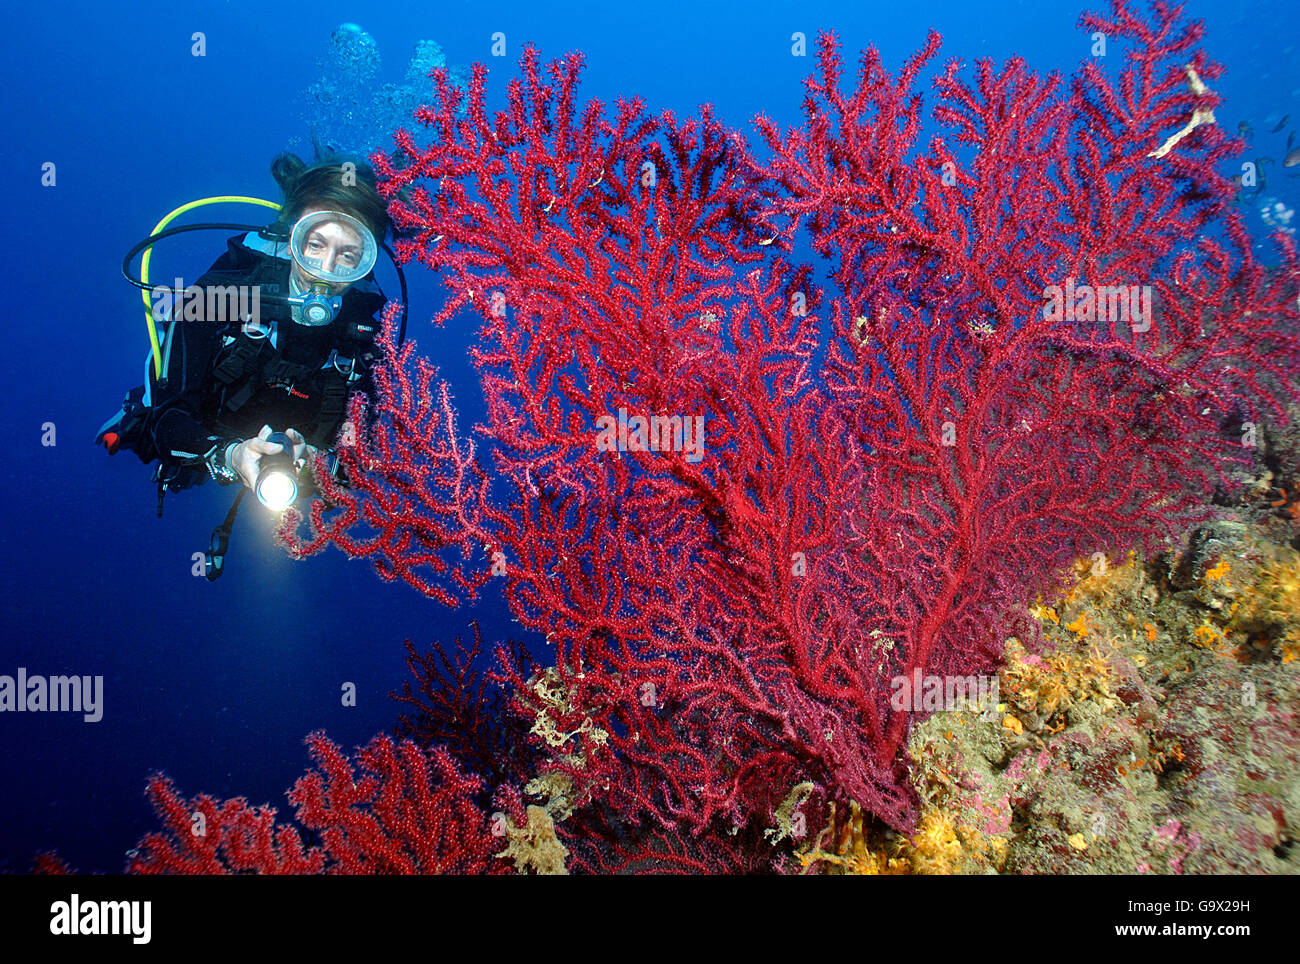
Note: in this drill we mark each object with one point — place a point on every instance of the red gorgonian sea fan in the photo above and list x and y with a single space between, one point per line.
1040 338
400 810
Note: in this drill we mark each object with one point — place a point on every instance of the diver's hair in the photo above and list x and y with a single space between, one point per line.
323 185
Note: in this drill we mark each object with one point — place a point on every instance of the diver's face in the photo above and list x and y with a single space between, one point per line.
335 246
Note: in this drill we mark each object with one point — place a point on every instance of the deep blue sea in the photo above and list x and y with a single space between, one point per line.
217 683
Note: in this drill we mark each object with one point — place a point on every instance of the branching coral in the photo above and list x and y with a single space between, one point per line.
1267 607
1065 677
942 844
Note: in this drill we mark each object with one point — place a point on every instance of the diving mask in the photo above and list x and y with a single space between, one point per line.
330 248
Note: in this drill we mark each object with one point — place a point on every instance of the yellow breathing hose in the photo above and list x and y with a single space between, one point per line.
148 253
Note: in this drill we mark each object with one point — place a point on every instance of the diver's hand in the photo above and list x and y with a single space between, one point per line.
301 450
246 457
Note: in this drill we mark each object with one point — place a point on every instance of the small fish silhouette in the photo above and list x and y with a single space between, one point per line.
1280 124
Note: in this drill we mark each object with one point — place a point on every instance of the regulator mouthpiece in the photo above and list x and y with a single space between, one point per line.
317 307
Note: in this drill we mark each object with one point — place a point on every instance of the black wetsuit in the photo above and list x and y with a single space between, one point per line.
223 385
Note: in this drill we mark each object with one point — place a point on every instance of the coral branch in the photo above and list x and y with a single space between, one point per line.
404 811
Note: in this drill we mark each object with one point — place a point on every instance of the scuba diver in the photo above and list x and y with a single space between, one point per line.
252 376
